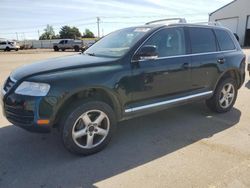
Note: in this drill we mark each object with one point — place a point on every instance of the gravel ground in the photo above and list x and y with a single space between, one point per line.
188 146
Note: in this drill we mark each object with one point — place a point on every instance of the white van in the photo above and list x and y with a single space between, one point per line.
7 45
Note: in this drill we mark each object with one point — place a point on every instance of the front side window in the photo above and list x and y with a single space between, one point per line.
202 40
225 41
168 42
117 43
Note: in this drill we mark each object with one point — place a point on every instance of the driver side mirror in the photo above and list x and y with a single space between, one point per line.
146 52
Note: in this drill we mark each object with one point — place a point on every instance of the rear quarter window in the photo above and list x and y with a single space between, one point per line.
224 39
202 40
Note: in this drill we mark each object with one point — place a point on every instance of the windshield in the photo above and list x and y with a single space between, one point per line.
117 43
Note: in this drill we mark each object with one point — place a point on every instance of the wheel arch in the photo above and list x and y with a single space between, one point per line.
230 73
92 93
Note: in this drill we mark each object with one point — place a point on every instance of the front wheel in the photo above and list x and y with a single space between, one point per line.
224 96
88 127
56 49
76 48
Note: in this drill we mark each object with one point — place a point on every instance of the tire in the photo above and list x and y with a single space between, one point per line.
76 48
16 49
63 49
224 96
79 128
7 49
56 49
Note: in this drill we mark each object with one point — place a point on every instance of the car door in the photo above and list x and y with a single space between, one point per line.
61 43
67 44
2 45
205 57
167 75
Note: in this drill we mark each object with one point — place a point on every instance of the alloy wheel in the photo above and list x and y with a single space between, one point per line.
90 129
227 95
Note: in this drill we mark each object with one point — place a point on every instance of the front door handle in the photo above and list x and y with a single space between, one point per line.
221 60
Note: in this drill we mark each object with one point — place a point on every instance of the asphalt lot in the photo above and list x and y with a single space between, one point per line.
188 146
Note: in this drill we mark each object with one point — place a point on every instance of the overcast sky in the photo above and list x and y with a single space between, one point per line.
26 17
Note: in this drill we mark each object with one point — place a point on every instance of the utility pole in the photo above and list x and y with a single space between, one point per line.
24 39
38 32
23 36
16 36
98 26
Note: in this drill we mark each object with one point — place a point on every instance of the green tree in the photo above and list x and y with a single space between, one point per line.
49 33
88 34
69 32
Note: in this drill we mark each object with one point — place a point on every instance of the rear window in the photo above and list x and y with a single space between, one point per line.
202 40
224 39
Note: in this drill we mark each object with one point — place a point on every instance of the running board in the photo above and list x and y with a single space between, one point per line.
167 102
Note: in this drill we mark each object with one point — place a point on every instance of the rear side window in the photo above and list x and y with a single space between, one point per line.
225 41
202 40
2 43
168 42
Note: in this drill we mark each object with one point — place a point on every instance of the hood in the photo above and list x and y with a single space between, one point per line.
57 64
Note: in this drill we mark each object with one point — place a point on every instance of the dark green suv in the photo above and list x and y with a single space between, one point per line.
130 72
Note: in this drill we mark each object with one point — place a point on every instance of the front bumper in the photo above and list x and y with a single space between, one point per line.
25 111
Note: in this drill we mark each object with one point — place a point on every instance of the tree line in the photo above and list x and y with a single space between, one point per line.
66 32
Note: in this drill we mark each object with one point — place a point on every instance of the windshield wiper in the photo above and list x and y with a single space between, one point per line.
90 54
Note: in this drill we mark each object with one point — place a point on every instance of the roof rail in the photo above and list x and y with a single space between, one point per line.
209 23
180 20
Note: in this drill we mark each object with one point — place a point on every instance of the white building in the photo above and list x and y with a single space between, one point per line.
235 16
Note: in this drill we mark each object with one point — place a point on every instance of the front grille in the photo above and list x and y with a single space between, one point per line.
19 116
9 83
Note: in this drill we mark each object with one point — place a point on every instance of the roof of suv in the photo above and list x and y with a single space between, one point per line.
202 25
182 24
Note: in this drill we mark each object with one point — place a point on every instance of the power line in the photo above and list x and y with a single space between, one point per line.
107 17
93 23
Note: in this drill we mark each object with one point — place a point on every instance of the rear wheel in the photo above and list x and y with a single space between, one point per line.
7 49
87 128
224 96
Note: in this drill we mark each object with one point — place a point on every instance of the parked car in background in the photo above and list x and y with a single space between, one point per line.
64 44
130 72
87 45
8 45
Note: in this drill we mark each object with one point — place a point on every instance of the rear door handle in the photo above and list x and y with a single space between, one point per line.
186 65
221 60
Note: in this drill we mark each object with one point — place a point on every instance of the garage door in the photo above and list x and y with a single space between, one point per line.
247 35
230 23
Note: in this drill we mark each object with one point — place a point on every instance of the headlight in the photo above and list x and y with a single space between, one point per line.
32 89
